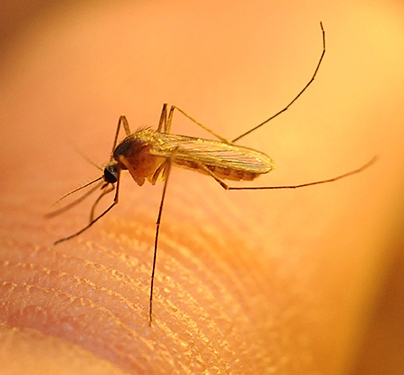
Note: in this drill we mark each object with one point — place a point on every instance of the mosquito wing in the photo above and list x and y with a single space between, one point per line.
193 152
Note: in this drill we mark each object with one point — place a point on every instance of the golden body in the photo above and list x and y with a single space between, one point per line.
146 152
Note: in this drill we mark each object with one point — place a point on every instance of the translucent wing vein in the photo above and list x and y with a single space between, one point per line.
211 153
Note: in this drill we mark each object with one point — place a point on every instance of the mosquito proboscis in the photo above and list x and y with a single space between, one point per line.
149 155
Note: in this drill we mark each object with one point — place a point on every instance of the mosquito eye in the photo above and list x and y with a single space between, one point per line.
111 174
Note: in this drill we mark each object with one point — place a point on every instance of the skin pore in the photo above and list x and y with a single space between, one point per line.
246 282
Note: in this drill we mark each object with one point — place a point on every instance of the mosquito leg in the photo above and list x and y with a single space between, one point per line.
212 174
115 202
367 165
163 121
108 189
296 97
170 117
156 240
121 122
168 121
227 187
87 226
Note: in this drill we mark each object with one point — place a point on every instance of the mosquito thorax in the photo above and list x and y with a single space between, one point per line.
111 172
134 144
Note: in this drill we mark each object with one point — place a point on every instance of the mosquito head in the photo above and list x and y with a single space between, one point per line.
111 172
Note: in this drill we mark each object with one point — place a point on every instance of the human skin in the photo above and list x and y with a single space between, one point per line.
281 282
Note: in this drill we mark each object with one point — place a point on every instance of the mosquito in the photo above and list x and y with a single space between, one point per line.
150 154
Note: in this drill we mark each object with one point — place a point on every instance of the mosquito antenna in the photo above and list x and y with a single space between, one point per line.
296 97
78 189
74 203
94 220
84 196
84 156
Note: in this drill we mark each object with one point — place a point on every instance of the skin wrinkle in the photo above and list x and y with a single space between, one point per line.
195 305
123 337
53 318
43 286
74 264
196 264
45 277
9 336
178 287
